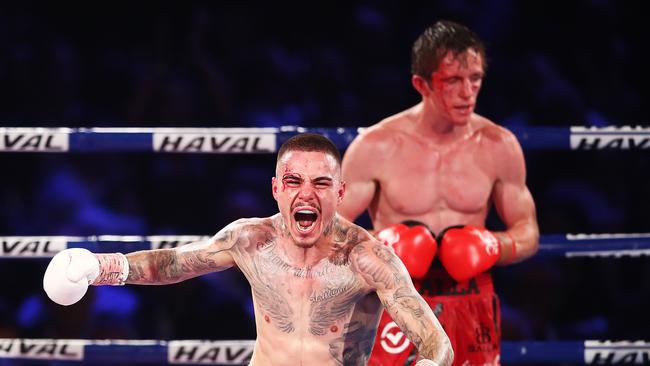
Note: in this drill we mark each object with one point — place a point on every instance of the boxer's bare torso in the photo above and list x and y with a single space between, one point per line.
313 306
440 183
319 313
440 163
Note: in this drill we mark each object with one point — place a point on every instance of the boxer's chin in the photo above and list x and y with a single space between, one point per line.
306 237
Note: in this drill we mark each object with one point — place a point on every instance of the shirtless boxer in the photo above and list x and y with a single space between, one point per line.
318 281
441 164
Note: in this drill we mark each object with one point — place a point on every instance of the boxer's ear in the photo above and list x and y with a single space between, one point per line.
274 187
421 85
341 192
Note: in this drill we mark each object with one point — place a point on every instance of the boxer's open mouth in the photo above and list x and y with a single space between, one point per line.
305 218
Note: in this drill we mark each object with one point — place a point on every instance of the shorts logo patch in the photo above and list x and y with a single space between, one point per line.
392 339
483 334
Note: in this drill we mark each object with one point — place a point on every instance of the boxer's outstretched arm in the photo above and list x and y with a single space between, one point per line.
384 271
165 266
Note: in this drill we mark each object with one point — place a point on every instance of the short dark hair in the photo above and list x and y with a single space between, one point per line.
310 142
438 39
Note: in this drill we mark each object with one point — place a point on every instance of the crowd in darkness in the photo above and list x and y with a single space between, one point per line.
142 64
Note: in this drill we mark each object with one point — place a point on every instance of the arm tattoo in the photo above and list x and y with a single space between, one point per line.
381 269
406 303
376 265
158 266
165 266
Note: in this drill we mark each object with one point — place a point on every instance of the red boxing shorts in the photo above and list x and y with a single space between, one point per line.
469 313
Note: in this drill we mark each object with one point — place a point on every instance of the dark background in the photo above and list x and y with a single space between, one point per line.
196 64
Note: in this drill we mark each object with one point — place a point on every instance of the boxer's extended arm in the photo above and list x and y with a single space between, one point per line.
165 266
70 271
515 205
384 272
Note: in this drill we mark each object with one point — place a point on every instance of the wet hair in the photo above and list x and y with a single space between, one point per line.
438 39
310 142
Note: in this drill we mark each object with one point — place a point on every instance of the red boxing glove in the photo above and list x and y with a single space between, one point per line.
466 251
415 246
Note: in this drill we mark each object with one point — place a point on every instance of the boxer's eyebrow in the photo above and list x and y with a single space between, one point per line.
292 176
321 179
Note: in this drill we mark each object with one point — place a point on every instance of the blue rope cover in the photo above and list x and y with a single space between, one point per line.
239 352
569 245
267 140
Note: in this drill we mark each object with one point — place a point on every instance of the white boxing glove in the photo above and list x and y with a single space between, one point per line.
70 272
68 275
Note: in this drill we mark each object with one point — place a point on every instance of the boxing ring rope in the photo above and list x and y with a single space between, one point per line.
266 140
557 245
239 352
